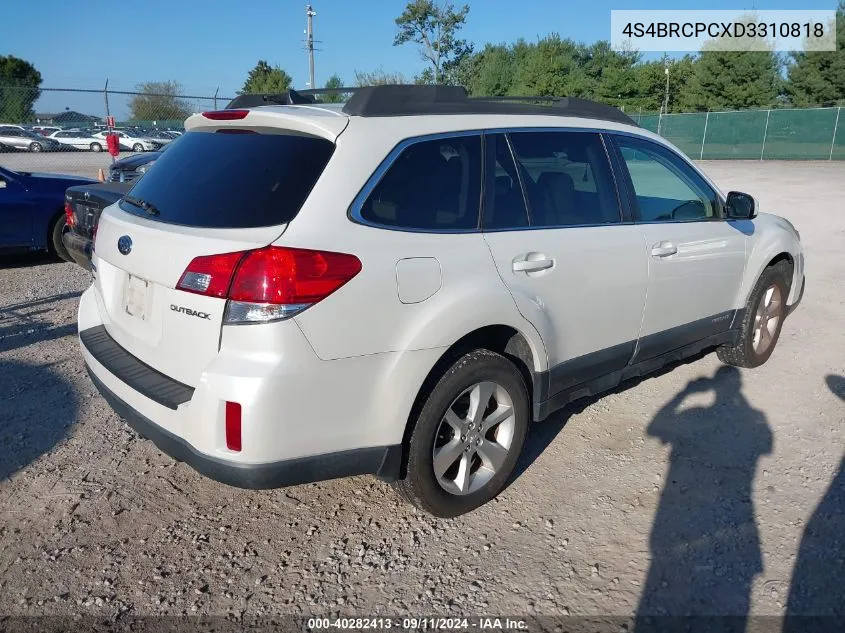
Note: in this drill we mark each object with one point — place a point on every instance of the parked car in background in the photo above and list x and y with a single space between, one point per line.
158 136
132 167
400 287
83 205
129 141
32 210
79 139
19 138
45 130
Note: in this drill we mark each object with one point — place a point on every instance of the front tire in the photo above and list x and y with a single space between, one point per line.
56 246
137 147
467 436
96 147
763 319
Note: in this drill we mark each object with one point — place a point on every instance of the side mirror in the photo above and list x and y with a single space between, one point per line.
740 206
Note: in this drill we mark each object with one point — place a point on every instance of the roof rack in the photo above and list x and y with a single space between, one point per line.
291 97
410 100
402 100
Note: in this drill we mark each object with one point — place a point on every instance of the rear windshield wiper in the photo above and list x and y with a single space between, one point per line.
142 204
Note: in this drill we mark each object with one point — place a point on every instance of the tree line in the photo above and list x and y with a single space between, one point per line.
556 66
550 66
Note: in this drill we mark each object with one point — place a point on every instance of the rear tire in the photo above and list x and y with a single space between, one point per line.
55 245
35 147
96 147
467 436
763 319
137 147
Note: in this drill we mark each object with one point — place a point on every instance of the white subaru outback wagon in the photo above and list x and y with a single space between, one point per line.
400 285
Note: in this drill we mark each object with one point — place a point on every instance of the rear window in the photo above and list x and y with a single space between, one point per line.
218 180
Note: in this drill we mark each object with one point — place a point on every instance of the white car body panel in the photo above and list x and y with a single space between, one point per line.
128 142
170 341
701 280
345 373
576 289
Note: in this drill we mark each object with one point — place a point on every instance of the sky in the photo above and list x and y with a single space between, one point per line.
212 44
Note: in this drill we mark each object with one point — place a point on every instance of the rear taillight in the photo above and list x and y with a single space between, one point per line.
70 216
270 283
210 275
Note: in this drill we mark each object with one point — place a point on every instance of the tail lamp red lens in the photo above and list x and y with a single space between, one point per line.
233 426
70 216
273 275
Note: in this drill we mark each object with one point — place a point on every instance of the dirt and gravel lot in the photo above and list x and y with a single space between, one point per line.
699 491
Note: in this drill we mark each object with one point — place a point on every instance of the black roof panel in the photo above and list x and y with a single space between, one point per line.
413 100
401 100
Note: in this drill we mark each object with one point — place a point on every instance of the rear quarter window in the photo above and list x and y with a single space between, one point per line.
432 185
225 180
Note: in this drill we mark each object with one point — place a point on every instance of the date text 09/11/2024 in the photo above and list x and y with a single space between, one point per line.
419 624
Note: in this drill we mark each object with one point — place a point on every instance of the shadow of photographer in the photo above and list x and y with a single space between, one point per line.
818 579
705 545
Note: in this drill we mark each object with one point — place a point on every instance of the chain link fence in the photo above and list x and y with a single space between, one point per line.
777 134
62 129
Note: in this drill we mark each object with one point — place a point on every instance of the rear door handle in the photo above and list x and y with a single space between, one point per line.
532 265
663 249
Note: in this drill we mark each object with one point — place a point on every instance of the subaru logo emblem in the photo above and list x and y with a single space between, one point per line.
124 244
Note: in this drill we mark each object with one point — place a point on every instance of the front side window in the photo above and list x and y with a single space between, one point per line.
567 178
665 188
432 185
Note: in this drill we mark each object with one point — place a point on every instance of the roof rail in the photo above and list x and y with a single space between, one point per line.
408 100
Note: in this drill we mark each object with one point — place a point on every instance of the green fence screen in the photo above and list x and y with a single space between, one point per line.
806 134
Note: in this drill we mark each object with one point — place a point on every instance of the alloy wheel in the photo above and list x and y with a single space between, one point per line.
474 438
766 319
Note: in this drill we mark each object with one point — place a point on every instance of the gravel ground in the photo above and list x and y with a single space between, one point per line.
687 493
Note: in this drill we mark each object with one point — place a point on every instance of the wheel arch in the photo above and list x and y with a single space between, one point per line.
51 222
771 242
759 266
506 340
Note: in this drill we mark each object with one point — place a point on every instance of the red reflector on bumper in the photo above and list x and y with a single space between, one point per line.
233 426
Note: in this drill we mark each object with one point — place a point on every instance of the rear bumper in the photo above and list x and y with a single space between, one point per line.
79 248
383 461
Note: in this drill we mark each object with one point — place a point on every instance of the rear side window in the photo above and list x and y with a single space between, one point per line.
504 204
567 178
217 180
432 185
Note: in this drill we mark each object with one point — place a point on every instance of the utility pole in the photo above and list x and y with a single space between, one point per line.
309 42
664 109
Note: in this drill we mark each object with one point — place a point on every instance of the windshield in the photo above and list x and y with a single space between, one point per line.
224 180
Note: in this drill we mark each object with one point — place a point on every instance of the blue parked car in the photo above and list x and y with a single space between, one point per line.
32 211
